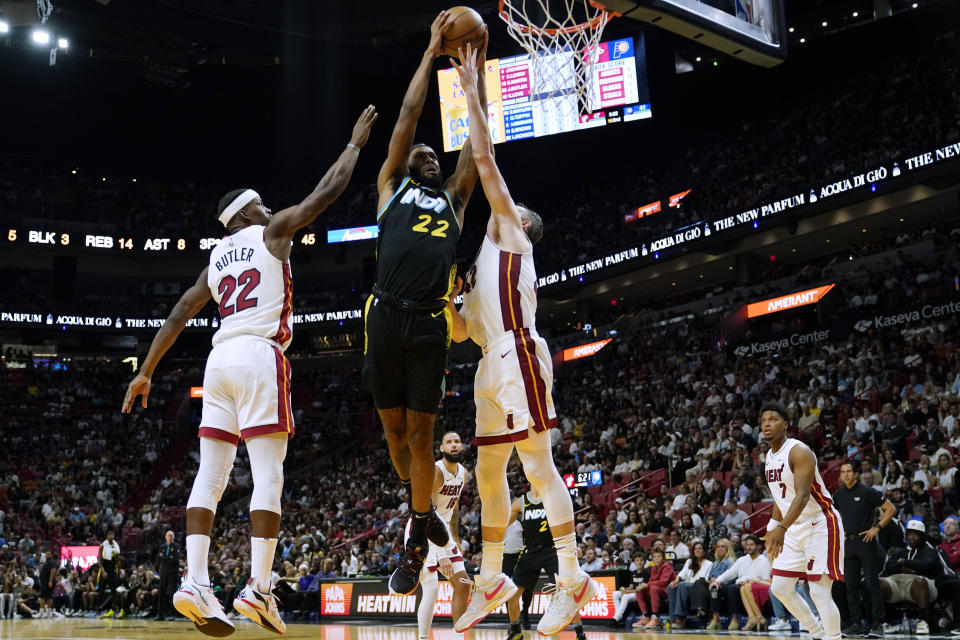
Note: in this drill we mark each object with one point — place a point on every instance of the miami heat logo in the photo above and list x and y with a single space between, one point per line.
810 565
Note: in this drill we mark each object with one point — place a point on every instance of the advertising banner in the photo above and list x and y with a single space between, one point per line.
371 598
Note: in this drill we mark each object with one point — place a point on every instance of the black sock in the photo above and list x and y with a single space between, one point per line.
515 627
418 529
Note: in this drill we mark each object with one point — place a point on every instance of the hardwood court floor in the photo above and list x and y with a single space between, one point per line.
83 628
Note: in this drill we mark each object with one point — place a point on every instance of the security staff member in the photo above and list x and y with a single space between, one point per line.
857 504
168 563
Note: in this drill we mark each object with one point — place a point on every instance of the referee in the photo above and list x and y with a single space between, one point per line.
407 327
539 554
857 504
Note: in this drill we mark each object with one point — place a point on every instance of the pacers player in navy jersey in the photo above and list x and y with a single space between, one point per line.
406 327
246 382
805 534
513 386
539 554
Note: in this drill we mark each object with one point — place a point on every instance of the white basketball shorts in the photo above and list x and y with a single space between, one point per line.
812 549
246 391
435 553
512 389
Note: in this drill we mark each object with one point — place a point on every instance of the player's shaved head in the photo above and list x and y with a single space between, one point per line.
534 230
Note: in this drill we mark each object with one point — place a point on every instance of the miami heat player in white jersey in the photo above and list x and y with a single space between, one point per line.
515 376
813 544
447 497
254 291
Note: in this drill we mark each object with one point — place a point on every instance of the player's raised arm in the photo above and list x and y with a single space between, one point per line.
459 325
464 179
284 224
187 306
504 212
401 139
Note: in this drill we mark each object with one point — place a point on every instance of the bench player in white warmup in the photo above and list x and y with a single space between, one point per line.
449 476
246 383
805 533
512 388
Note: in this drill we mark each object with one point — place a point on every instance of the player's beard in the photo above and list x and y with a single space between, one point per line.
434 181
452 457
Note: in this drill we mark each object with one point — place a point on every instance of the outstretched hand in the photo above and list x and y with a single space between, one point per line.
467 67
437 29
139 386
361 130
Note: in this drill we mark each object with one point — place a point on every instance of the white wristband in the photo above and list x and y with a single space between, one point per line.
350 145
772 525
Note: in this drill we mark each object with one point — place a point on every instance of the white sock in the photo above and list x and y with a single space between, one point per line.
262 551
492 562
198 553
567 564
428 603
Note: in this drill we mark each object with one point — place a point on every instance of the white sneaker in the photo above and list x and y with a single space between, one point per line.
890 628
484 598
780 625
571 595
197 602
260 608
923 629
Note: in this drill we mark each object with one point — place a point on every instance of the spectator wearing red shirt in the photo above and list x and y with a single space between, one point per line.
951 542
654 591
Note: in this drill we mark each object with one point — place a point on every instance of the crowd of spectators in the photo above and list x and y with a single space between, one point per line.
668 418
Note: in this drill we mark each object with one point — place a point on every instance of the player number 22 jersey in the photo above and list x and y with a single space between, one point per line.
782 484
253 289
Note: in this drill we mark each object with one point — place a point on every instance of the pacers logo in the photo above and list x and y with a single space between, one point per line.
335 599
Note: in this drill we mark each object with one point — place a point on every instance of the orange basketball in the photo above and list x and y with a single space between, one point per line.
465 26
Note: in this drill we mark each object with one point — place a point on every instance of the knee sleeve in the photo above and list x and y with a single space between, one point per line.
538 467
782 587
266 466
492 484
216 463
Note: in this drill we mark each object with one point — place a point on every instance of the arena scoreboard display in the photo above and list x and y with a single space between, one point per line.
618 93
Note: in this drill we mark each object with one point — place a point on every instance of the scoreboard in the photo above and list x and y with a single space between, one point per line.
618 92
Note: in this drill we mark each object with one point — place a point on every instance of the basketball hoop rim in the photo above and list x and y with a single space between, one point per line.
601 19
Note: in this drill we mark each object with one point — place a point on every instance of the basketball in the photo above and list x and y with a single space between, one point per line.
466 25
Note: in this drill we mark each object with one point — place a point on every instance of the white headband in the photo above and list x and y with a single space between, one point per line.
238 203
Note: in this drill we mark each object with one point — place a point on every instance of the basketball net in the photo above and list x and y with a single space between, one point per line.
562 38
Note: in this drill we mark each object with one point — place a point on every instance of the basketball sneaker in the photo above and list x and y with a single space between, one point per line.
437 531
197 603
571 595
259 607
406 577
484 598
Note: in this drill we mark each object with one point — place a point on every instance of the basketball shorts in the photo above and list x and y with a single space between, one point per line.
812 549
530 564
432 562
405 356
512 389
899 584
246 391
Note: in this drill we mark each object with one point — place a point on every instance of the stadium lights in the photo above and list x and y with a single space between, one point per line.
823 24
73 171
4 27
791 29
856 13
698 58
62 43
914 5
802 40
40 36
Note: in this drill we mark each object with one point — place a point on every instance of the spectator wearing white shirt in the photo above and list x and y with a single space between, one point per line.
753 566
676 550
697 567
590 560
